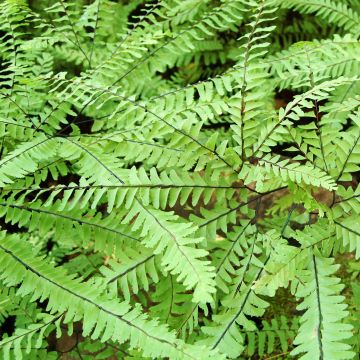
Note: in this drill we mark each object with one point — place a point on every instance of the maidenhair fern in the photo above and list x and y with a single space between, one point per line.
179 179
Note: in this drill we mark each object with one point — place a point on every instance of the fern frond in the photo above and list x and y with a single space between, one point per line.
135 268
239 305
79 301
290 67
348 232
160 190
178 310
272 337
300 174
322 333
105 232
14 343
271 132
335 12
26 158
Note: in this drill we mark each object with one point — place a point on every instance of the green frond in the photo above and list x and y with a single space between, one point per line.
236 247
135 269
159 189
177 310
175 240
24 340
336 12
349 199
273 336
297 173
348 232
26 159
291 67
322 332
80 301
70 227
287 264
239 305
273 130
225 334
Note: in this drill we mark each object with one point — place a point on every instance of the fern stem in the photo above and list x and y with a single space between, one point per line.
125 186
95 30
319 335
15 124
317 114
346 199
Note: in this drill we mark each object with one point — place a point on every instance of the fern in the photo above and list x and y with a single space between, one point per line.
321 332
179 179
54 283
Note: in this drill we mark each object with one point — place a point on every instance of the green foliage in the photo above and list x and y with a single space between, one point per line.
325 308
169 170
